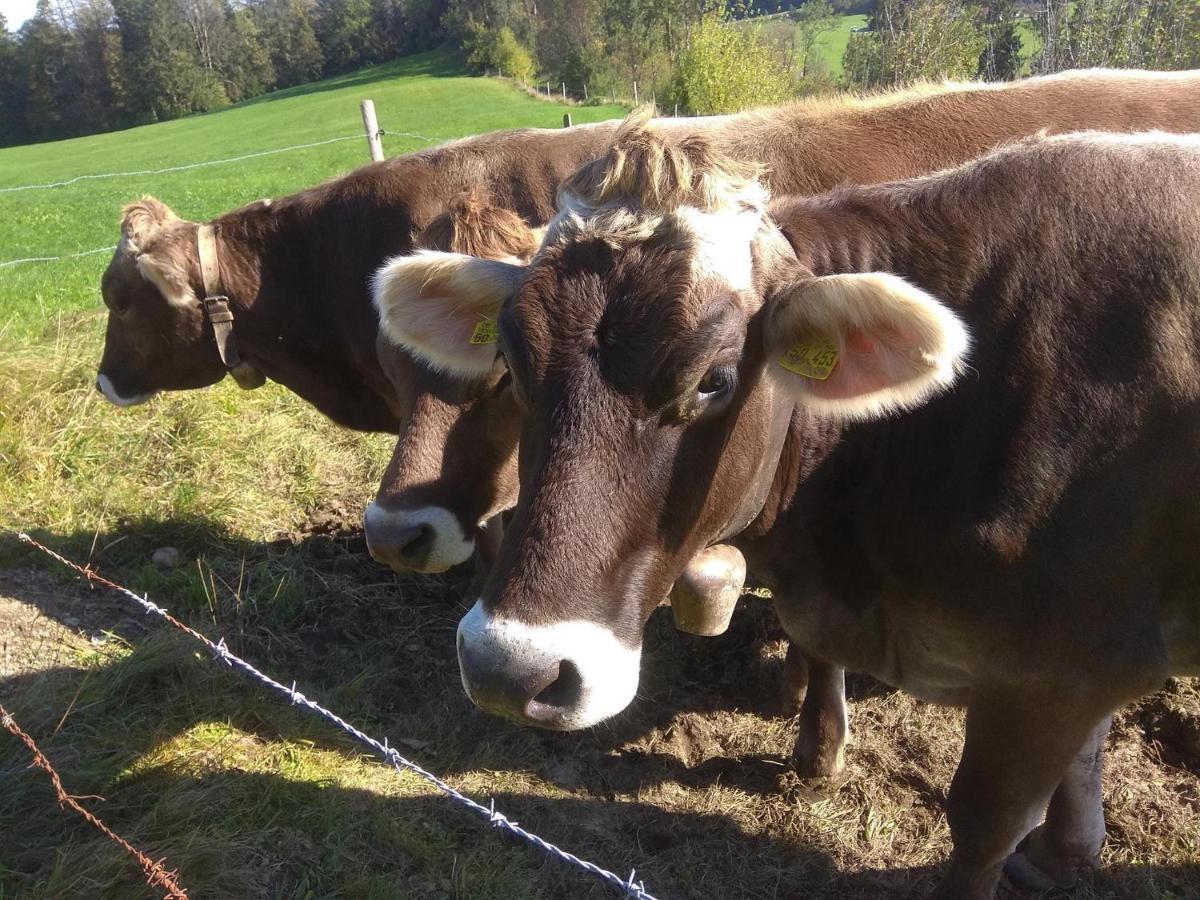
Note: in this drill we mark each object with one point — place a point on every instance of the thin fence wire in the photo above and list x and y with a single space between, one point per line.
210 162
156 873
32 259
628 886
4 264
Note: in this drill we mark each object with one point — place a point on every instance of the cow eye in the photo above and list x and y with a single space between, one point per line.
717 382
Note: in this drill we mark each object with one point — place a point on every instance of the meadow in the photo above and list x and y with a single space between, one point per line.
249 798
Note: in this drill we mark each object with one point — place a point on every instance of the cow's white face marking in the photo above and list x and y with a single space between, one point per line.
608 669
447 545
111 395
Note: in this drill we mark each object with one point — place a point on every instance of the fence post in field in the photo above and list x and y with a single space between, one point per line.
677 110
585 96
371 126
635 103
566 120
564 86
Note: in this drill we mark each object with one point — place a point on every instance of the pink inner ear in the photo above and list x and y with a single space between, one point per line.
873 359
858 341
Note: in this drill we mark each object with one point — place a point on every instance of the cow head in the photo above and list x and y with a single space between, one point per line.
157 338
454 466
657 344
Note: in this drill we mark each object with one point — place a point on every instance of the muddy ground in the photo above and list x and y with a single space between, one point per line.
690 786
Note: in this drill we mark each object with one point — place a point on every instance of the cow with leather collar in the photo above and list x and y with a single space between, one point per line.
951 420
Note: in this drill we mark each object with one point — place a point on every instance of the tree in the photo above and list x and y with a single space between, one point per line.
346 32
12 89
500 49
727 68
1164 34
288 34
911 40
1001 56
45 48
165 75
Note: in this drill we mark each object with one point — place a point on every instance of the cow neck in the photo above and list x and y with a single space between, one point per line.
219 313
863 230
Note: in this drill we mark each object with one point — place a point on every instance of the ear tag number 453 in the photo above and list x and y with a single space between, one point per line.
486 332
813 358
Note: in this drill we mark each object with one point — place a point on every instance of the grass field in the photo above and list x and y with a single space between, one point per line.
247 797
424 95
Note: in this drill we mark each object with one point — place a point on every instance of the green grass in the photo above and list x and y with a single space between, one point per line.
424 94
831 45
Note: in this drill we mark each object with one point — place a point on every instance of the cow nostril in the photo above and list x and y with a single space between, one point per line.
563 693
417 542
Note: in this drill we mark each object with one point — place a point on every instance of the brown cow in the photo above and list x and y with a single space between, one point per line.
296 272
955 422
455 463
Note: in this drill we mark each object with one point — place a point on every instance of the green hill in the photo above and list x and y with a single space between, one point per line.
420 100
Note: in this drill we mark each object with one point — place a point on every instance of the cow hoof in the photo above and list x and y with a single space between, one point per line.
1037 867
817 758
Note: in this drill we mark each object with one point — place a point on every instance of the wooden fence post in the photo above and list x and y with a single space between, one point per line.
635 103
585 96
371 126
564 85
566 120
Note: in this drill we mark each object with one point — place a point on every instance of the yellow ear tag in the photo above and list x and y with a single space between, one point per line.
486 332
814 358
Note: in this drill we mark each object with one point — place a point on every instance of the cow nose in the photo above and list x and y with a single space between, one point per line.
522 690
424 540
402 548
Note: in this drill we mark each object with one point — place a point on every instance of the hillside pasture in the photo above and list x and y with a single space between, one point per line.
250 798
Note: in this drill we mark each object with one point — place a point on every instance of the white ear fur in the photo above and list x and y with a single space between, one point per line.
896 345
170 279
432 302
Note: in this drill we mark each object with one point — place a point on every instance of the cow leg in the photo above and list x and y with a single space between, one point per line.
1017 752
821 746
794 688
1070 839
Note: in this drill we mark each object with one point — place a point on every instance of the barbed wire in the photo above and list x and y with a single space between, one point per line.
156 873
627 886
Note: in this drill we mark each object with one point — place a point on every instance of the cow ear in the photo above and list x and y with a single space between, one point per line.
140 221
443 307
861 346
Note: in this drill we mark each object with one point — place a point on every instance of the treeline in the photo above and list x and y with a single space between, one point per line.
81 66
704 57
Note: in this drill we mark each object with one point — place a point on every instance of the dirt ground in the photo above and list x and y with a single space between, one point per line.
690 786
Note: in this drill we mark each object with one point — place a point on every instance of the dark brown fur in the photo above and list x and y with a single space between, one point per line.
1017 545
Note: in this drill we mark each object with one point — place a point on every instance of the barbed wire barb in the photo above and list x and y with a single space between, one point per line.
156 871
399 762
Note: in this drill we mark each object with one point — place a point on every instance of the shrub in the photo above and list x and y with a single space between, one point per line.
727 68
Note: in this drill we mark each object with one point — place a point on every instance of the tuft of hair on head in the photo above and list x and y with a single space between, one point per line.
472 226
645 167
144 218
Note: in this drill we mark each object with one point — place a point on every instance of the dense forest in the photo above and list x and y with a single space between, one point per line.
83 66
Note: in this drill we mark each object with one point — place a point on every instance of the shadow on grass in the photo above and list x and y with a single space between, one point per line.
379 649
250 797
